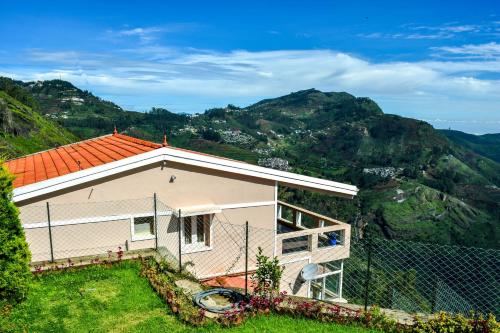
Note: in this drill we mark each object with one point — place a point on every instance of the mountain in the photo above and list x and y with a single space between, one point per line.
487 144
89 116
23 130
416 183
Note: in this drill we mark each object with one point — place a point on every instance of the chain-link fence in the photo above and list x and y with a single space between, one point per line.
218 250
61 231
419 277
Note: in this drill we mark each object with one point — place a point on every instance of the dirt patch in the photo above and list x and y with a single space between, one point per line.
189 287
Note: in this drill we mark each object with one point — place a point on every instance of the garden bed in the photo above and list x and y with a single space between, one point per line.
265 300
114 298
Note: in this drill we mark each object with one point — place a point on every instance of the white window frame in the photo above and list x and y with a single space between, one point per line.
196 246
135 238
323 276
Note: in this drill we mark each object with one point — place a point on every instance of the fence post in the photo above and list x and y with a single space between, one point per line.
50 234
156 222
368 272
246 258
179 238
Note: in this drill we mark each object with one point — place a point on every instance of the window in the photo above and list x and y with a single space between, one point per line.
196 233
143 227
328 285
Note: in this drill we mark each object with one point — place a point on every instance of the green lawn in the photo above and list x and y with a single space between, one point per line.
98 299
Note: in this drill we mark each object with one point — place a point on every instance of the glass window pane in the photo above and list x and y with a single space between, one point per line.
144 226
200 229
332 284
187 231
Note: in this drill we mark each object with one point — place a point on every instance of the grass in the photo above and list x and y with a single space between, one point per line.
99 299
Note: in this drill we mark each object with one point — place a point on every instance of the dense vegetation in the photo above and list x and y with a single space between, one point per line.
416 184
487 144
23 130
15 275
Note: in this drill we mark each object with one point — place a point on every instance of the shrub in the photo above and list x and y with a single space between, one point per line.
163 282
457 323
14 253
267 276
235 316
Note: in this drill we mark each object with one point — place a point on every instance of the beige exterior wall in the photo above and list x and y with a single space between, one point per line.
227 238
290 281
130 194
227 253
227 241
192 186
84 239
39 244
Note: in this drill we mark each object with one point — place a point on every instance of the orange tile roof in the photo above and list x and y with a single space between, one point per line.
74 157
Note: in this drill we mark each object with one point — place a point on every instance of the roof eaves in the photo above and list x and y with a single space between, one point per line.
180 156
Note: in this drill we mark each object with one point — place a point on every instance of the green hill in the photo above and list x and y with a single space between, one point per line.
23 130
89 116
416 183
487 144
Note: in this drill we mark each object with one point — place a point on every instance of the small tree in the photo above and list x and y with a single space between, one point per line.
267 276
14 253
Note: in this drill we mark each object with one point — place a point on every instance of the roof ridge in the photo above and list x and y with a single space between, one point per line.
138 141
206 154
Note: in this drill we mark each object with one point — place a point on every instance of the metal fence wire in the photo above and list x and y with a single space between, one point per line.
420 277
409 276
75 230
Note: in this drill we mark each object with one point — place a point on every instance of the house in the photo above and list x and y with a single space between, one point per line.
116 191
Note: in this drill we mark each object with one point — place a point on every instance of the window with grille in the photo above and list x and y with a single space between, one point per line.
196 233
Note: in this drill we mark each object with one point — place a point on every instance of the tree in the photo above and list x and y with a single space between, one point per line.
211 135
15 256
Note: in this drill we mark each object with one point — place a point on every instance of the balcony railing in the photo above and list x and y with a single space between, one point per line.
303 231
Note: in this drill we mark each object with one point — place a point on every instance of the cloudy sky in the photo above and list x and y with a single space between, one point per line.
433 60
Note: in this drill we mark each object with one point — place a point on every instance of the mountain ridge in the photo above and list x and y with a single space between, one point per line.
416 183
485 144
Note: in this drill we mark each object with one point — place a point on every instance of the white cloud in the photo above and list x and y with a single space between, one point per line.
193 80
144 34
139 31
487 50
148 34
405 35
444 31
245 72
451 28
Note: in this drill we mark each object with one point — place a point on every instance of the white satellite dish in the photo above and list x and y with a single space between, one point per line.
309 272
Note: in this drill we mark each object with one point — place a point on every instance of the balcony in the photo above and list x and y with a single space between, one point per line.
302 232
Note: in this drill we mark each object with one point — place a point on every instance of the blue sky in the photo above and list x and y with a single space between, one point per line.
433 60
